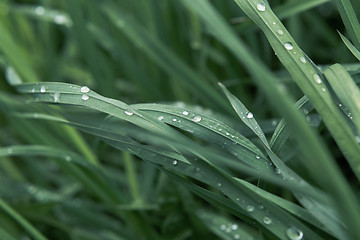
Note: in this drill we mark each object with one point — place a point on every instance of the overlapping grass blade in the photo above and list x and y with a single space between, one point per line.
350 46
303 73
348 93
22 221
350 20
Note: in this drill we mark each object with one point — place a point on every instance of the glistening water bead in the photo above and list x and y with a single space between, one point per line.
317 78
249 115
302 59
42 89
85 97
197 119
267 220
294 234
56 97
185 113
261 7
129 112
288 46
280 32
84 89
174 162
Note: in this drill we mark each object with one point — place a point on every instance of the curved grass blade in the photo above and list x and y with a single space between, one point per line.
303 73
351 47
21 221
349 95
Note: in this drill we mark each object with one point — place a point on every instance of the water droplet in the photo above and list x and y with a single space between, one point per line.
130 113
257 157
197 119
357 139
39 10
250 208
42 89
219 184
84 89
261 7
302 59
237 236
277 171
60 19
33 90
237 199
317 78
274 23
56 97
227 134
280 32
174 120
340 105
9 151
274 123
85 97
160 118
323 89
223 227
174 162
249 115
234 226
185 113
288 46
68 158
267 220
294 234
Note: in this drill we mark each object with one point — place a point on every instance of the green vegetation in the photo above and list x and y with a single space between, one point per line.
158 119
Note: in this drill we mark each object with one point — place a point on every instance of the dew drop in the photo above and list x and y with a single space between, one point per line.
56 97
267 220
249 115
274 23
197 119
250 208
257 157
160 118
274 123
280 32
237 236
219 184
174 162
130 113
261 7
42 89
223 227
302 59
39 10
234 226
294 234
288 46
277 171
317 78
9 151
174 120
227 134
84 89
323 89
357 138
33 90
68 158
185 113
60 19
85 97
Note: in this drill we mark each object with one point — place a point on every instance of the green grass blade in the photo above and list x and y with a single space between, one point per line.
351 47
22 221
350 20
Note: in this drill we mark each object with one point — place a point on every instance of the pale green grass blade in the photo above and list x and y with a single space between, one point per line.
305 78
351 47
209 173
318 209
350 20
21 221
224 228
347 92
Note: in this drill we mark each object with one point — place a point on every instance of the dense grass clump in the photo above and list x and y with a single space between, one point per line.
158 119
